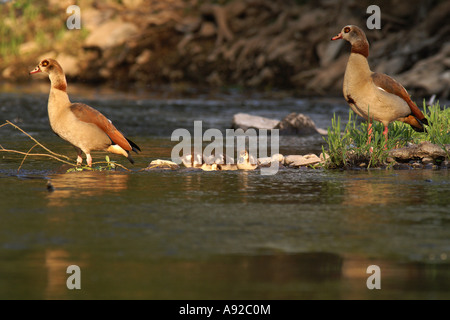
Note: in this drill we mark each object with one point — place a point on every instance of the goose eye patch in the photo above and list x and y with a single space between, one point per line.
347 29
44 63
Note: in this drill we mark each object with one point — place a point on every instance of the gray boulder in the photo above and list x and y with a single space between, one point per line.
423 150
297 124
245 121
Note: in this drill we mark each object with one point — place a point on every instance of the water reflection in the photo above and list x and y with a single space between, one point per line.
366 191
219 186
395 188
71 187
56 263
244 186
313 275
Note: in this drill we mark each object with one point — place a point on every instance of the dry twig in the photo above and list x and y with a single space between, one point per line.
37 142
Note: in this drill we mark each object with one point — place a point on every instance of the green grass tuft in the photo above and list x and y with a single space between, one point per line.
350 148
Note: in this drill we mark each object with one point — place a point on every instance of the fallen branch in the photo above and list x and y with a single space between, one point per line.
37 155
23 160
37 142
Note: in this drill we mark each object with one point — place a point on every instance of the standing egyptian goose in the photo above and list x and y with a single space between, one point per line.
79 124
372 94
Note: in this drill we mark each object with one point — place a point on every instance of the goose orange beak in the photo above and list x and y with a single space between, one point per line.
339 36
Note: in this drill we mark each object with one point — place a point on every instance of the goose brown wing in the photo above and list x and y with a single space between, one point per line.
392 86
88 114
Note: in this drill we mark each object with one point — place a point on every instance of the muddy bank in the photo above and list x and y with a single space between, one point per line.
244 43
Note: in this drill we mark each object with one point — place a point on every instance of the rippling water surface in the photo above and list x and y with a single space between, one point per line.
299 234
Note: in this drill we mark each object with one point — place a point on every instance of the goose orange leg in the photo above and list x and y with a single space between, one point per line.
385 133
369 132
89 159
79 158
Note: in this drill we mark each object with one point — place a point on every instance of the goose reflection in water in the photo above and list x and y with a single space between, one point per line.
69 186
384 190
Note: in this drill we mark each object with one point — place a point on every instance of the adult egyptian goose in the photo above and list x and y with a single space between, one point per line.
79 124
372 94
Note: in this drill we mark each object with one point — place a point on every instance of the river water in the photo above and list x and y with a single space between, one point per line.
183 234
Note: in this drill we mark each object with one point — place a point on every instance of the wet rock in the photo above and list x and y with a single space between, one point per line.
162 164
246 121
311 159
423 150
267 161
427 160
300 161
289 159
298 124
417 165
324 156
401 166
278 157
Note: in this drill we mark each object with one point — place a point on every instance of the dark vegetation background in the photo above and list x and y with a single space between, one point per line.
261 44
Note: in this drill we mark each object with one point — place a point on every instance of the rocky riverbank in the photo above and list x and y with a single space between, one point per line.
414 156
244 43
